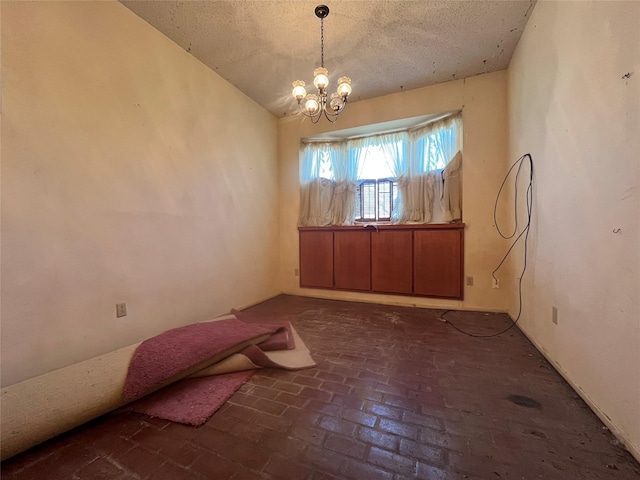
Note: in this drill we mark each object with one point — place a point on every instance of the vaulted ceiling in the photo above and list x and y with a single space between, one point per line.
385 46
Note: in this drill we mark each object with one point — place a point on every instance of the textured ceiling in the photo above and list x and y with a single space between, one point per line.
385 46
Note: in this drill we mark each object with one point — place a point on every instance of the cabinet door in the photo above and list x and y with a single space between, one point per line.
437 270
352 260
316 259
391 261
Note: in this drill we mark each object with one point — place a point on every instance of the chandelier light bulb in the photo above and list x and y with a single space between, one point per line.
312 104
298 90
344 86
321 78
336 103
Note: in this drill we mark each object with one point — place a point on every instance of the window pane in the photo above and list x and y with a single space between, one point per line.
395 197
368 190
384 200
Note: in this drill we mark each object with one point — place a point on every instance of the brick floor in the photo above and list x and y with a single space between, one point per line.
397 394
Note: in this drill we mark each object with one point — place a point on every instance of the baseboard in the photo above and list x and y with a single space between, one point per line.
400 301
254 303
622 438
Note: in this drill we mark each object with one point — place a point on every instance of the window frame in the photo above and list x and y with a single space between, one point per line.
376 182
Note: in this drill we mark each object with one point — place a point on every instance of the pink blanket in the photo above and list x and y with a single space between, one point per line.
179 352
280 340
191 401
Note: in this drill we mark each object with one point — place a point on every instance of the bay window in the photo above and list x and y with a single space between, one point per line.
412 176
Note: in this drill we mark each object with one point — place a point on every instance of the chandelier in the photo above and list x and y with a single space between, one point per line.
315 106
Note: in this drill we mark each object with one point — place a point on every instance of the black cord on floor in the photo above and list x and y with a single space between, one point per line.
525 232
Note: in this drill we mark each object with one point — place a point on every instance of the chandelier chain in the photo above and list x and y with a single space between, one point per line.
322 42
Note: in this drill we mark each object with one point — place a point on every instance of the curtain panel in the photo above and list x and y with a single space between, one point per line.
426 161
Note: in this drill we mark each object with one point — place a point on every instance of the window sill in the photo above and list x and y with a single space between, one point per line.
389 226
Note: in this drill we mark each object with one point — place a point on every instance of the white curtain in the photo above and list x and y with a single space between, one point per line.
316 184
432 149
344 194
327 184
394 146
436 144
452 194
417 196
358 150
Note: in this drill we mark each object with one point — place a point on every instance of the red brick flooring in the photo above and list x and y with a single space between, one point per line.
397 394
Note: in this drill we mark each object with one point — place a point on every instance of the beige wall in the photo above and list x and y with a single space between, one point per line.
130 173
572 109
484 106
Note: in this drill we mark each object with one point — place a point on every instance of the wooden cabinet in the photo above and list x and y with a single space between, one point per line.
352 260
391 261
438 263
316 259
420 260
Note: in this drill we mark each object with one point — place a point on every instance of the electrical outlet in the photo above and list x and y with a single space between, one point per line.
554 315
469 281
121 310
495 283
296 272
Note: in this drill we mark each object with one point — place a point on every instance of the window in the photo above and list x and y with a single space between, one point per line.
402 177
375 199
377 186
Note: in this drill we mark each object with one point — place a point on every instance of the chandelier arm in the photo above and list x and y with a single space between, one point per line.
326 115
